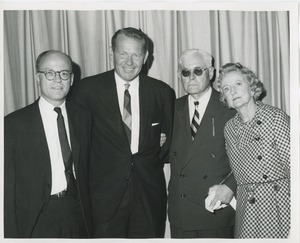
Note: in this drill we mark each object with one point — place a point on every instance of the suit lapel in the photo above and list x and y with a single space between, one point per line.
183 118
40 138
112 98
146 101
40 144
73 126
205 128
114 113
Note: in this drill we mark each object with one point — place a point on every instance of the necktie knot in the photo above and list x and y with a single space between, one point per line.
196 103
57 110
127 86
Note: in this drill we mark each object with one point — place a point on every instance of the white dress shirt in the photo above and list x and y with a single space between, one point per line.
135 108
49 118
203 101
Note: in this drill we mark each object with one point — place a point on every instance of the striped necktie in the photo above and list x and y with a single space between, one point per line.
127 112
195 121
66 153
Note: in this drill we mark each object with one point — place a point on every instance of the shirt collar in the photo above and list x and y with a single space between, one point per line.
120 82
203 98
45 105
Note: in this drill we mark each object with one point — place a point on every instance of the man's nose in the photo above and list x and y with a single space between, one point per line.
129 60
57 77
192 75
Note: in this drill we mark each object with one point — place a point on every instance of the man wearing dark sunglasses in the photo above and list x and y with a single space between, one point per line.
46 152
197 155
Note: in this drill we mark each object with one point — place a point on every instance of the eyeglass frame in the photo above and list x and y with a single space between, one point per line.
190 71
55 72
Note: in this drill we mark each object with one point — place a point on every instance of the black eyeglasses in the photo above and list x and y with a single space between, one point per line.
198 71
50 74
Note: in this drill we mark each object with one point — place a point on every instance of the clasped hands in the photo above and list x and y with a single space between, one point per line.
219 196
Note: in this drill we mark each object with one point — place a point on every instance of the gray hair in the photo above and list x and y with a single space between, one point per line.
256 85
208 59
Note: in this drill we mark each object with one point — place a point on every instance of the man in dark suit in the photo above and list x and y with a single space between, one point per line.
46 153
197 155
127 184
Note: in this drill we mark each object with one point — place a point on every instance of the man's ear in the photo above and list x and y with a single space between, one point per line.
111 56
211 72
111 53
71 79
146 56
37 78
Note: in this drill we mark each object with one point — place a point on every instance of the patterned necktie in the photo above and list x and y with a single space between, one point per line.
195 121
66 153
127 112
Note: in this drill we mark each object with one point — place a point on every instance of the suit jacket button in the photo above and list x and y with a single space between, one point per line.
259 157
257 138
182 195
181 175
205 177
258 122
213 156
265 177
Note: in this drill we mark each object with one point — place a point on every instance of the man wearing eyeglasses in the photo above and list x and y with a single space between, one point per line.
197 155
45 159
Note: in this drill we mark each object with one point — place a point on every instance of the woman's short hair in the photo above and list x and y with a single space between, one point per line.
255 84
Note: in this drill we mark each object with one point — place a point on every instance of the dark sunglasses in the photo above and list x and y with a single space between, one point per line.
198 71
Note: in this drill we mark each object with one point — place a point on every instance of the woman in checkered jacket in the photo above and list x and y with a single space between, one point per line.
258 146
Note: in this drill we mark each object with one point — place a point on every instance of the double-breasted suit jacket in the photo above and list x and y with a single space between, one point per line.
111 159
197 165
27 167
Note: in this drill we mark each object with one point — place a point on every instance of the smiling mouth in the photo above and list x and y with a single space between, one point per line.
128 69
57 88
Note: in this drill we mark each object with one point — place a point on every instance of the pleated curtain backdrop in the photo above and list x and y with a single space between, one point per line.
257 39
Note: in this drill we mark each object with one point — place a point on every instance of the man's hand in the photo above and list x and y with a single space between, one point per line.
223 193
163 138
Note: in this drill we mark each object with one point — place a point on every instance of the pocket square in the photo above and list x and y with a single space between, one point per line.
154 124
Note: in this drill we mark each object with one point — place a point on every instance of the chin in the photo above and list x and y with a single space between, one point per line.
128 78
193 91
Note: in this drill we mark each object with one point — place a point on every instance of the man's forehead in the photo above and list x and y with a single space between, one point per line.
194 60
55 57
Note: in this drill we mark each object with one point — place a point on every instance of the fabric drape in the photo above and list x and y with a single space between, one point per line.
256 39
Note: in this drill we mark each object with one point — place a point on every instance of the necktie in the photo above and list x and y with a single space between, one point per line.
127 112
66 153
195 121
